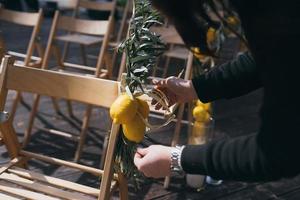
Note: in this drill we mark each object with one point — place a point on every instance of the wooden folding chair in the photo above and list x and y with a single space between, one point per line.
176 48
34 21
20 183
122 31
81 26
87 40
82 30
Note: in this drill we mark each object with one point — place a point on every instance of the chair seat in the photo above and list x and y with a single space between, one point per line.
20 183
80 39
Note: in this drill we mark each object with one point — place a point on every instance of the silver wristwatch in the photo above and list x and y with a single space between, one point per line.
176 158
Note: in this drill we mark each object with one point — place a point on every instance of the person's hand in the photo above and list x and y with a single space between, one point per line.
154 161
176 89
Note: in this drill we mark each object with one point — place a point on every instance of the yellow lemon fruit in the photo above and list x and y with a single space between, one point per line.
123 109
197 53
199 129
196 140
200 114
211 35
206 106
198 102
143 107
134 130
233 21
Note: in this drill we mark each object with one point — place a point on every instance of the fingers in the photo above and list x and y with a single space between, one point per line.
171 99
169 87
154 157
140 153
160 83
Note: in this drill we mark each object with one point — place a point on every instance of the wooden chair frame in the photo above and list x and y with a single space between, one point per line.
69 38
81 26
176 50
102 6
73 87
92 27
33 20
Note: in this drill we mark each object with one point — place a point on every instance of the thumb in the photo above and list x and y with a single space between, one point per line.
159 83
142 151
138 156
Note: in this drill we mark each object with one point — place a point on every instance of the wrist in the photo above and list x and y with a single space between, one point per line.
175 164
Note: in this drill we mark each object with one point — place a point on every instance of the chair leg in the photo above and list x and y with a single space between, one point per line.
166 67
70 108
105 145
190 119
104 150
109 162
15 105
57 55
123 187
83 54
55 105
175 137
65 51
155 67
83 132
108 64
40 52
114 59
33 112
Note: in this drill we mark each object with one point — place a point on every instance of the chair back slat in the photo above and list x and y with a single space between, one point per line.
94 5
20 18
91 27
85 89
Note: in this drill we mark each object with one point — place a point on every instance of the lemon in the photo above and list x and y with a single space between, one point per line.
199 129
200 114
206 106
211 35
233 21
134 130
196 140
198 102
123 109
197 53
143 107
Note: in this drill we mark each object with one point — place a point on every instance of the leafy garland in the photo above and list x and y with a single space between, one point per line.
142 48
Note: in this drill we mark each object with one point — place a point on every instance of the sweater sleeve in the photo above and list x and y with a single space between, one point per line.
228 80
269 155
273 152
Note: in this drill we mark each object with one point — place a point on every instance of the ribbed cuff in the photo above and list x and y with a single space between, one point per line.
192 159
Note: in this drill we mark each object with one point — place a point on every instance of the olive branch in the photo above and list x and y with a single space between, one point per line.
142 47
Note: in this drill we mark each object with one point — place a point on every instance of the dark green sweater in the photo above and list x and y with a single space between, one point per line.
272 30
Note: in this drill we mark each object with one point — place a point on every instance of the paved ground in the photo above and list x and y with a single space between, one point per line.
233 118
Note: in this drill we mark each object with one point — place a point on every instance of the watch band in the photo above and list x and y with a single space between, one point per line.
176 158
